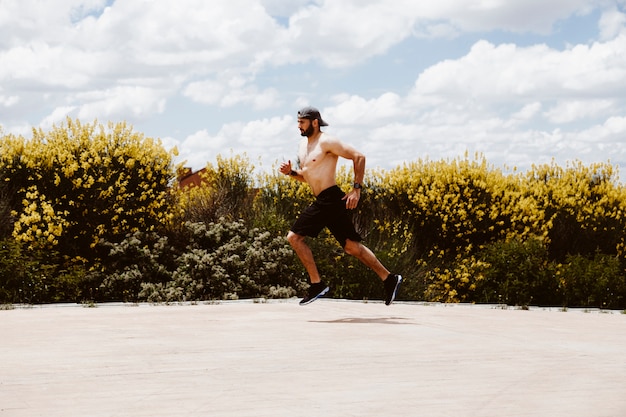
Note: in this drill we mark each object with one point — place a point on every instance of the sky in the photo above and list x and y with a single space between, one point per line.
521 82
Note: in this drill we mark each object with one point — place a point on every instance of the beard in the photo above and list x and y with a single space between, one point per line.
307 132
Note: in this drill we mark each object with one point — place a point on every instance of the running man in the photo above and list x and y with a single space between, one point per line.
318 155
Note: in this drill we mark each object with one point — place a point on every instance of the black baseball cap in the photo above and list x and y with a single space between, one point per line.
311 113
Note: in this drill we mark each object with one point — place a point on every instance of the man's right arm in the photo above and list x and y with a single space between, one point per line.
285 168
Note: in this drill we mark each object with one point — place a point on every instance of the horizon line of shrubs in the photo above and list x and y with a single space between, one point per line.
92 213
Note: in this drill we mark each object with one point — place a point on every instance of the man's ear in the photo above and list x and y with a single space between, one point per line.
315 123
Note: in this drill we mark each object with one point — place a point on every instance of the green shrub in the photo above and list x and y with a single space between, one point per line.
32 276
596 282
518 273
7 197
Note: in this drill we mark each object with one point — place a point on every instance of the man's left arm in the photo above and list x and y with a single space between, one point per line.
359 168
358 163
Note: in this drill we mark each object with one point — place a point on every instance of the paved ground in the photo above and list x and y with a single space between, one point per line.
330 358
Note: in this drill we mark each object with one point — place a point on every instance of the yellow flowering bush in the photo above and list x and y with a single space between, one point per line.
438 222
578 209
80 183
226 191
456 282
433 213
280 199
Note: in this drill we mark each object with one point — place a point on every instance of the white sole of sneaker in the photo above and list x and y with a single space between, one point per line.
321 294
395 290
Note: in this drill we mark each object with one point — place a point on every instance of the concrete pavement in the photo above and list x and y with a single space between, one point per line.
331 358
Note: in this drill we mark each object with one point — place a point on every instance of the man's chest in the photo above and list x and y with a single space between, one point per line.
311 155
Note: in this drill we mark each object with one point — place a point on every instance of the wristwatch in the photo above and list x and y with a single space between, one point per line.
357 186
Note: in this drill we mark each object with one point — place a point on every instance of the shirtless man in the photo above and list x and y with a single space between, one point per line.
318 155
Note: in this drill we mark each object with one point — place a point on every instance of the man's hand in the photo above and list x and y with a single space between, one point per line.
352 199
285 168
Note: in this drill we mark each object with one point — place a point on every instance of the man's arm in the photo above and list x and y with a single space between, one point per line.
285 168
359 167
349 152
358 161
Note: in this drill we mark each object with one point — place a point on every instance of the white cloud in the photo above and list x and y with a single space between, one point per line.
42 64
8 101
357 110
58 115
283 8
265 139
74 43
207 92
121 102
199 148
265 99
569 111
612 23
536 16
611 131
528 112
316 31
231 93
249 60
91 42
507 72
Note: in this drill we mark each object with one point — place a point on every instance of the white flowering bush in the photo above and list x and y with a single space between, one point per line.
221 260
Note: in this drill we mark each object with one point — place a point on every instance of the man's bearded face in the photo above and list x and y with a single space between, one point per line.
308 132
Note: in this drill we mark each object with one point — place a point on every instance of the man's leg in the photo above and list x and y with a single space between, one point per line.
365 255
391 281
318 288
305 255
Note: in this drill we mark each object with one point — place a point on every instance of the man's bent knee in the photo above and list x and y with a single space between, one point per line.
352 247
294 238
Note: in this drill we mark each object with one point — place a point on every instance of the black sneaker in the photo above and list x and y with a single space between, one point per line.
392 283
317 290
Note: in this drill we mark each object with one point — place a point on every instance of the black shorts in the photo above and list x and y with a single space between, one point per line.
328 210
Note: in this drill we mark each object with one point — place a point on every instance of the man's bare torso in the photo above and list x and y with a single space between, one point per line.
317 164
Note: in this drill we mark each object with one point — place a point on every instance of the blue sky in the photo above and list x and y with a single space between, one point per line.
522 82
